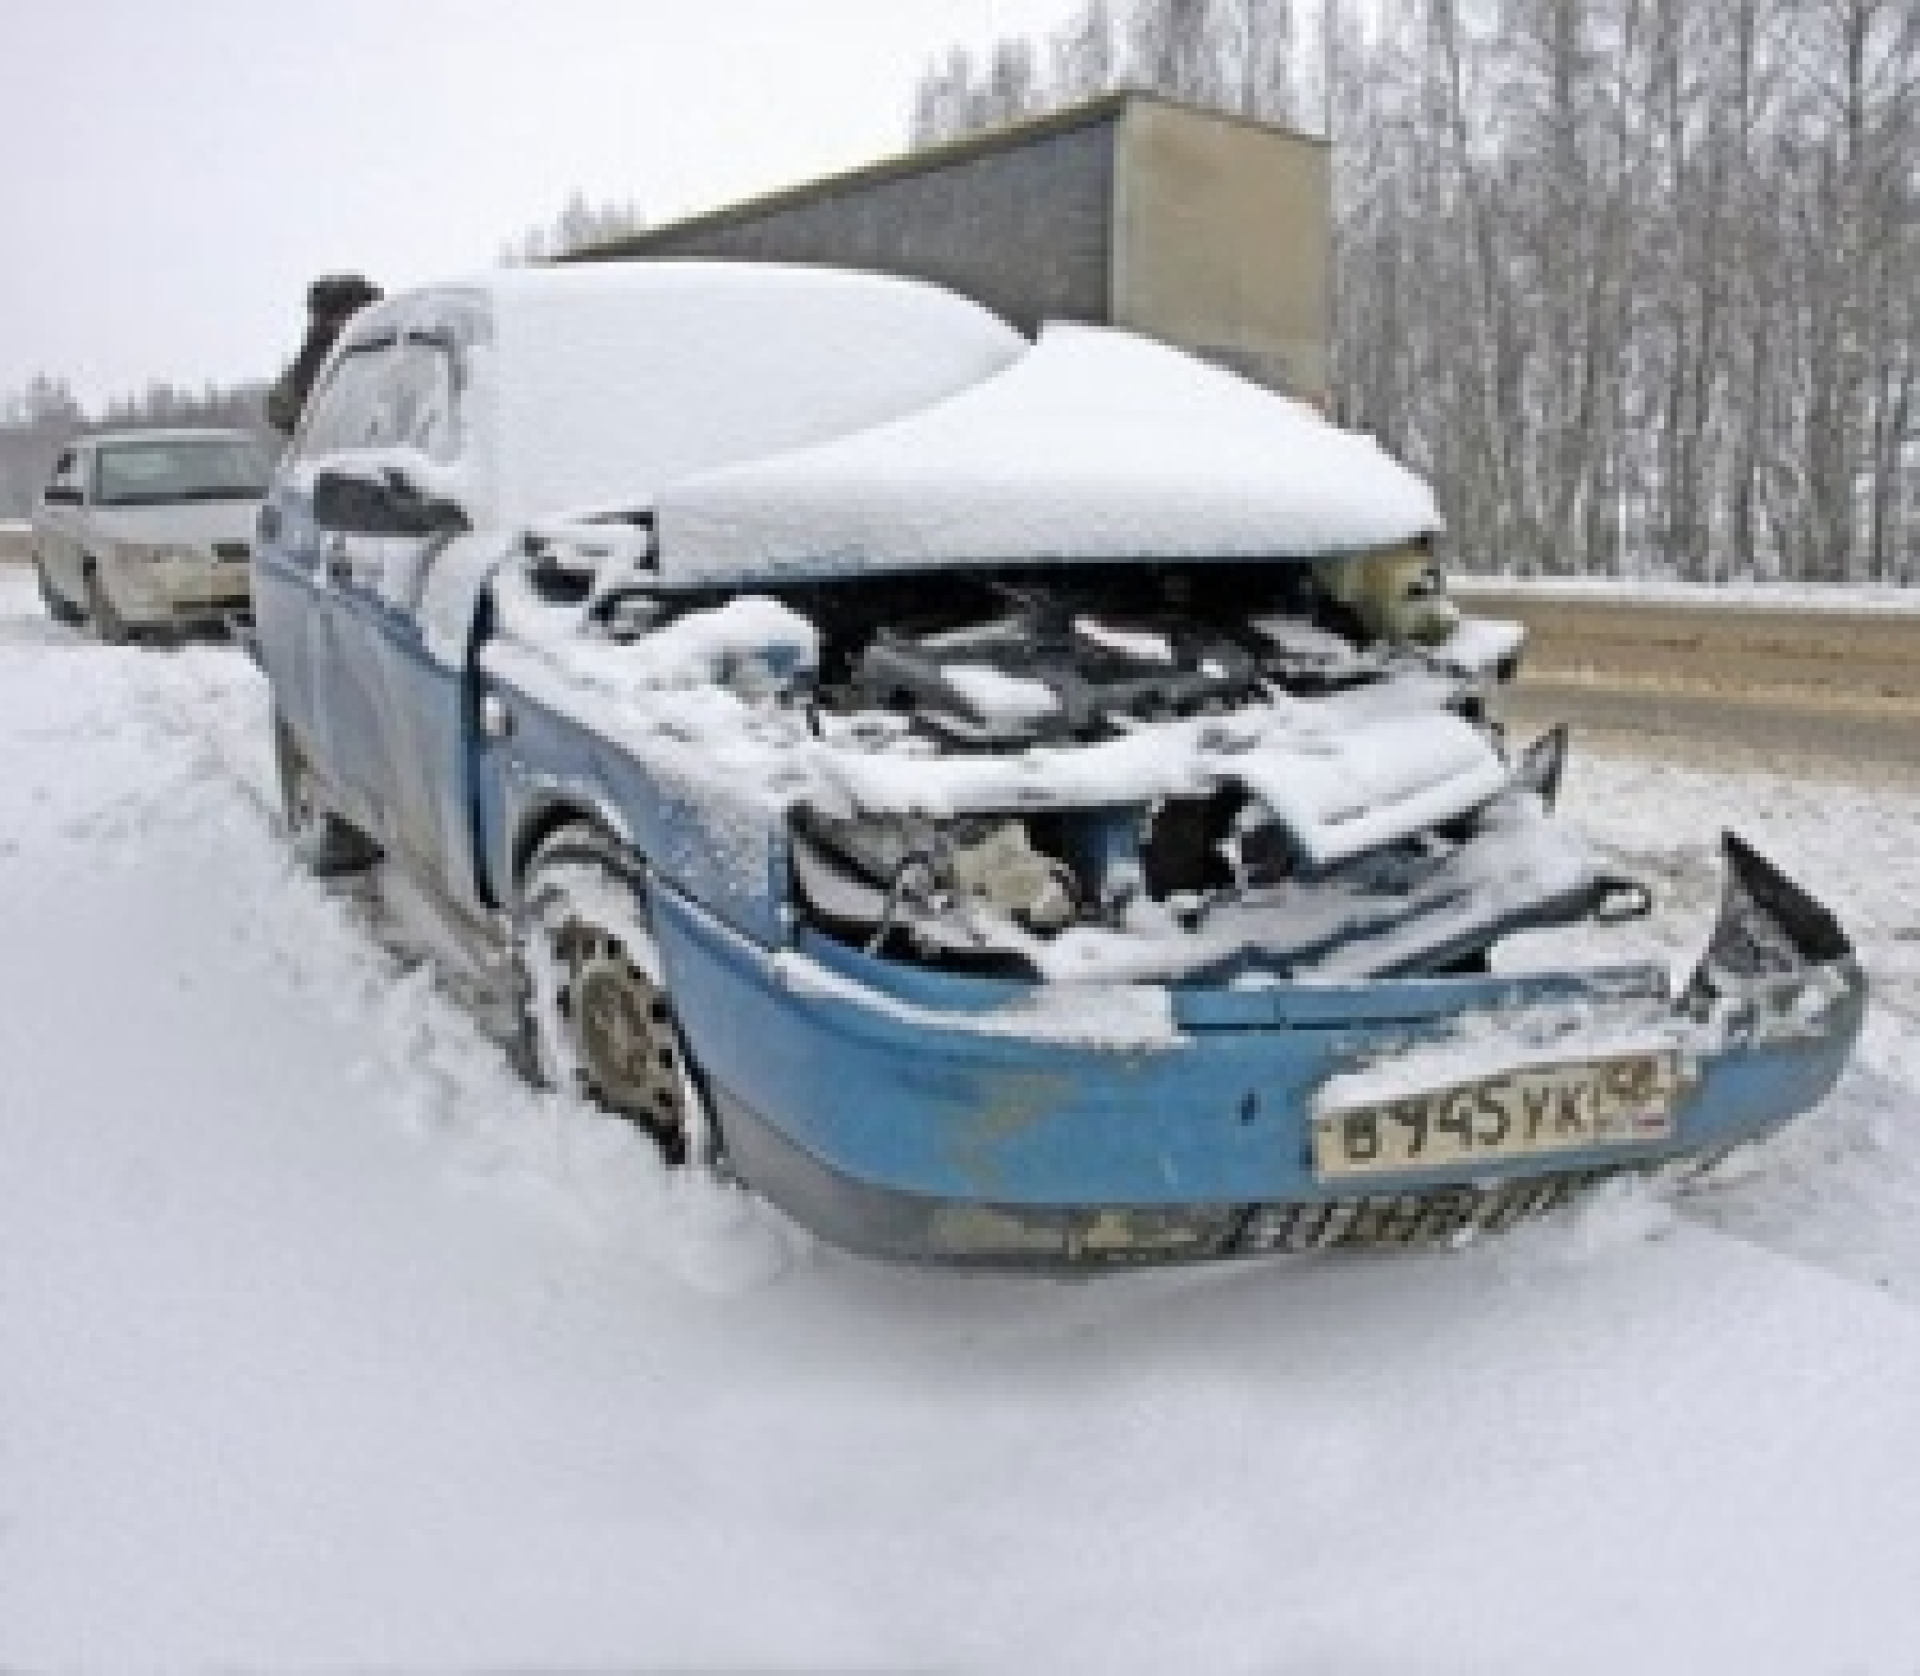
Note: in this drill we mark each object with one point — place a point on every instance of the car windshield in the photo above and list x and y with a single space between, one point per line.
150 473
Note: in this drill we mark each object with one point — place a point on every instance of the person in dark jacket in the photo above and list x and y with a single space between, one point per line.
331 302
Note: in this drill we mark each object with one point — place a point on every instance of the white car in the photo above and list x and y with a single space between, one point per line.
149 529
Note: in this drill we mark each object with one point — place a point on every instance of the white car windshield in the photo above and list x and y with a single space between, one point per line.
153 473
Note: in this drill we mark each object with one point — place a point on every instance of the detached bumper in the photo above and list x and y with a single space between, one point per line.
912 1114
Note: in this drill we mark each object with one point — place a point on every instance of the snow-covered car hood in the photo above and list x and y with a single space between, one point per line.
187 523
1095 445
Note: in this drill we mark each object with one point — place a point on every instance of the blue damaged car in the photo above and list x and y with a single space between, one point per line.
1003 801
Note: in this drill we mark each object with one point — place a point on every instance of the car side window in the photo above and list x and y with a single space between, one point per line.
418 403
341 414
387 395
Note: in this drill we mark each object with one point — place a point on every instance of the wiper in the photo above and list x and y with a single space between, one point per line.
179 497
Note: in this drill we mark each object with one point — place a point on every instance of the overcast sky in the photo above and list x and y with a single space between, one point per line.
179 169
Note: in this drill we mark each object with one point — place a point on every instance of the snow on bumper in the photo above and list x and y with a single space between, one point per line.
908 1113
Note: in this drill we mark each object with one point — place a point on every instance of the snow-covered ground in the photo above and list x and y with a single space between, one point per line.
325 1342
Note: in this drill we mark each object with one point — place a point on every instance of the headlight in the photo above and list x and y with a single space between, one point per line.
911 869
1000 867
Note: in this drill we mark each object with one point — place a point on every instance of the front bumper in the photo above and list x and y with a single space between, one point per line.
911 1114
161 593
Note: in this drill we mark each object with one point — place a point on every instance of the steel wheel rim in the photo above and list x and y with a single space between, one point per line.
107 620
621 1028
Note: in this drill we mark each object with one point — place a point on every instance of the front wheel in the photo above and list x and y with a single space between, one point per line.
59 607
598 1016
107 621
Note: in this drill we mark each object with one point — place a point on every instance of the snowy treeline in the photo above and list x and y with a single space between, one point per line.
37 422
1633 280
578 225
1238 55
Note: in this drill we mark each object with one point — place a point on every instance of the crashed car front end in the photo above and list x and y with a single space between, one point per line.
1120 916
911 1114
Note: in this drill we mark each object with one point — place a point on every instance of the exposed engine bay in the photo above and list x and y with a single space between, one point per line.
1207 773
1066 660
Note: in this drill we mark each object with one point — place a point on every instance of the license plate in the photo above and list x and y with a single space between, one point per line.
1568 1107
209 587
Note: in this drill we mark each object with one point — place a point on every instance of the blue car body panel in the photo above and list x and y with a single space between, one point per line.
389 725
714 843
918 1099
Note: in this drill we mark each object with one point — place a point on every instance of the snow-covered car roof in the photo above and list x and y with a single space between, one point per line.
1095 444
604 382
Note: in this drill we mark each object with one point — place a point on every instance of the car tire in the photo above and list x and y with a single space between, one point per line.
108 624
59 608
598 1019
326 845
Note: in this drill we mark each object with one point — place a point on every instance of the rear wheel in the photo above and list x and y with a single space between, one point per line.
59 608
325 843
599 1019
107 621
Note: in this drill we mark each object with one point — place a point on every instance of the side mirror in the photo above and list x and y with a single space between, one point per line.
385 505
61 494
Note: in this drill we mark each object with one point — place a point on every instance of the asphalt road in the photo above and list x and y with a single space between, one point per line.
1775 733
1814 693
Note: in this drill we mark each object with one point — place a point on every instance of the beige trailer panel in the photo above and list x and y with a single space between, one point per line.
1220 241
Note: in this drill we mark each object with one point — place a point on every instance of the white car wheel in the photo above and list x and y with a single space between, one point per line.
59 608
111 627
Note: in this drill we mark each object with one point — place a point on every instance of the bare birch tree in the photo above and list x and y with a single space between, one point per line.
1633 280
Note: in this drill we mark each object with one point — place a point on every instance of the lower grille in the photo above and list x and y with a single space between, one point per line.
1438 1216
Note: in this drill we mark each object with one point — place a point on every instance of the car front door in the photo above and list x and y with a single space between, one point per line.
388 716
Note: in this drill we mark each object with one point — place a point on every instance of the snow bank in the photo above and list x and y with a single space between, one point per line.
1094 445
